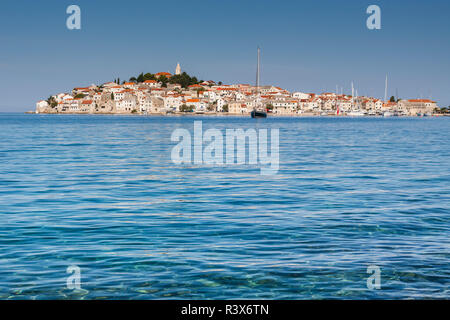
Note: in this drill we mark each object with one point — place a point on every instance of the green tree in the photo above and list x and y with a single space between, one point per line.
183 79
225 108
149 76
392 99
52 102
199 90
79 96
186 108
163 79
112 96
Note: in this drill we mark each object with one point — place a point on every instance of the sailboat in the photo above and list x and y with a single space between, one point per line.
356 105
258 111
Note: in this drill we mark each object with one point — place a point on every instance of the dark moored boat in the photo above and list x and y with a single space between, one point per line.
258 114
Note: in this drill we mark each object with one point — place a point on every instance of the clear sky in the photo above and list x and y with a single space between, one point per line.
309 46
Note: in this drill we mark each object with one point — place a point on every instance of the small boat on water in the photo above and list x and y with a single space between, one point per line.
356 113
387 114
258 114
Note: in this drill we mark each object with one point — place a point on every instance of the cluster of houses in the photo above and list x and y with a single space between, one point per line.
154 97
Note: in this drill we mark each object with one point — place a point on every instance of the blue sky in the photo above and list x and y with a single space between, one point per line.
310 46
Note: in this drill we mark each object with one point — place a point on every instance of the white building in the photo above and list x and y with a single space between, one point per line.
41 106
300 95
87 106
152 84
199 105
173 102
127 104
237 108
284 107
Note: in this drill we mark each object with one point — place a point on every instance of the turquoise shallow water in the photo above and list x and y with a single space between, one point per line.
101 192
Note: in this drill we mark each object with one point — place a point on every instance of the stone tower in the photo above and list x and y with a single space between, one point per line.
178 69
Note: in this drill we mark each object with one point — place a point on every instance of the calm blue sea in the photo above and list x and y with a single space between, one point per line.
101 193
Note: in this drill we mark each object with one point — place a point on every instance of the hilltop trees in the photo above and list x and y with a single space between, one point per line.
149 76
183 79
163 79
140 78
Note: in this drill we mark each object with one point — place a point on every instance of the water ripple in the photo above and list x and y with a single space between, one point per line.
101 192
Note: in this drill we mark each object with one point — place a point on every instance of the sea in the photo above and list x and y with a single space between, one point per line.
94 207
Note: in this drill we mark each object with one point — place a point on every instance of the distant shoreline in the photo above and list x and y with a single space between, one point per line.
218 114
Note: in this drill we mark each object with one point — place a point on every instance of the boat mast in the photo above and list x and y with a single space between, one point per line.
257 104
385 89
257 72
353 96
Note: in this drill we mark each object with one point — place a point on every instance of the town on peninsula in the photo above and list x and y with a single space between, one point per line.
179 93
